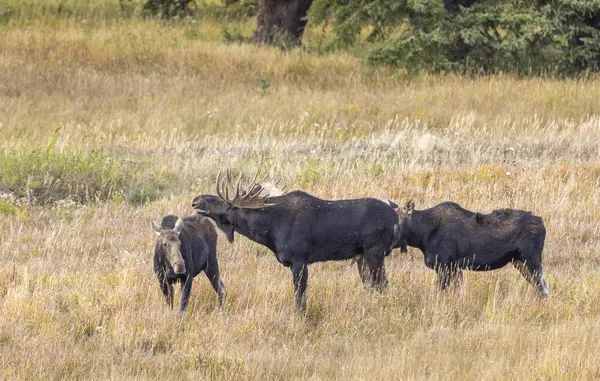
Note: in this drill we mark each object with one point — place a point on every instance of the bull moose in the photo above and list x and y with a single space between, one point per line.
302 229
185 247
452 238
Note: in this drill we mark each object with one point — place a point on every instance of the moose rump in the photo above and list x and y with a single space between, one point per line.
452 239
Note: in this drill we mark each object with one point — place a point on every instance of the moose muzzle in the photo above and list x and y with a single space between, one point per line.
179 267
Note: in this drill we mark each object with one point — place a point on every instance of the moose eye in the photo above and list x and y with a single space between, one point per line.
164 244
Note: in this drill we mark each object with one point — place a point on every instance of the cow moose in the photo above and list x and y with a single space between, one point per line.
185 247
452 238
302 229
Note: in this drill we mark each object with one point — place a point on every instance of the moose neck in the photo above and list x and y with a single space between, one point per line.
253 224
419 229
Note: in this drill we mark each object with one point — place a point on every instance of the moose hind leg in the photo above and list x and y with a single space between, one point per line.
300 276
534 275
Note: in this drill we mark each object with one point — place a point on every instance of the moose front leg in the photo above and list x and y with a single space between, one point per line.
363 270
443 278
375 263
212 273
186 289
300 275
447 275
444 272
167 290
457 278
534 275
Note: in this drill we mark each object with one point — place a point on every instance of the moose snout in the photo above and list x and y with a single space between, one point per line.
199 205
179 268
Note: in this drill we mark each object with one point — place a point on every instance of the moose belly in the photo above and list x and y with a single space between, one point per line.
335 253
485 262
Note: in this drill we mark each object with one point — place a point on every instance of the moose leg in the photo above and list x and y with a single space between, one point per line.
212 273
300 274
167 290
456 278
363 270
448 274
534 275
377 271
186 288
443 277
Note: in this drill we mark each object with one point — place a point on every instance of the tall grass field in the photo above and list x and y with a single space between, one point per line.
109 121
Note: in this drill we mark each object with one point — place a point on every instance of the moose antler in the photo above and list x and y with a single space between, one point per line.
253 198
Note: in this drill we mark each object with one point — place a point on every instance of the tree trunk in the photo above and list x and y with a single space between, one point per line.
281 20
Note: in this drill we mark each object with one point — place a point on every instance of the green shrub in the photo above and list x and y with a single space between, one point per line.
522 36
7 207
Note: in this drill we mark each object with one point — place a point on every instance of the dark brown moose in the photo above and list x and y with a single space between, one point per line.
452 238
185 247
302 229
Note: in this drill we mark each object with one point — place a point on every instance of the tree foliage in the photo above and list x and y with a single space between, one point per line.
559 36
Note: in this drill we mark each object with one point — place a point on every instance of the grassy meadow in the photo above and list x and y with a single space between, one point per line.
108 122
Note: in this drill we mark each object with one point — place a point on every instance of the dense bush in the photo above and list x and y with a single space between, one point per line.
558 36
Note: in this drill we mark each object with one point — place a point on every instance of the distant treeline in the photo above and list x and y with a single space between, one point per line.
558 37
470 36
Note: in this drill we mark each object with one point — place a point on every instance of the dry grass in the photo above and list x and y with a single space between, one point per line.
78 299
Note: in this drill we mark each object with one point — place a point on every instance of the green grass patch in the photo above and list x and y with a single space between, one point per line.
27 12
45 175
7 207
24 11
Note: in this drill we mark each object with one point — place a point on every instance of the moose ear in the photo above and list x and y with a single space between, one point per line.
156 228
178 226
409 207
391 203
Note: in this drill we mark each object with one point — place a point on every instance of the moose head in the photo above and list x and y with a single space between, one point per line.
169 244
234 197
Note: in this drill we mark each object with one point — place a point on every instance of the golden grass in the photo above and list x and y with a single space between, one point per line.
78 299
